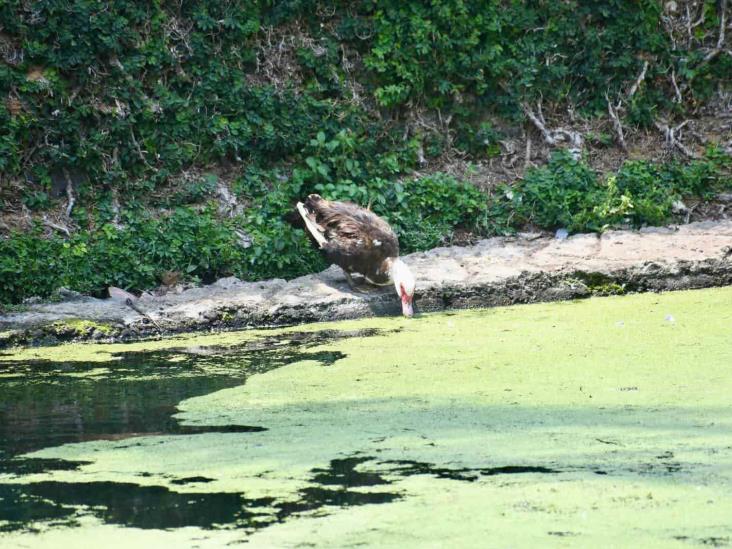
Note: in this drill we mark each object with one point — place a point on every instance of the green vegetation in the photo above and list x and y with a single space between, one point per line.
567 193
145 110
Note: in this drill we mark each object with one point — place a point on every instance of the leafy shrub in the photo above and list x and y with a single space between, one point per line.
191 242
567 193
561 194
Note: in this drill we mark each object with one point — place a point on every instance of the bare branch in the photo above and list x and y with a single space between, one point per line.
639 80
55 226
555 136
527 154
539 124
672 141
720 40
139 150
678 98
617 125
722 25
69 193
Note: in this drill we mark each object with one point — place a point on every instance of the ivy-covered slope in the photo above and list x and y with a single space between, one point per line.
141 139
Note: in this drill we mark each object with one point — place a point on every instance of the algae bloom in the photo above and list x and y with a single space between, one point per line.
593 423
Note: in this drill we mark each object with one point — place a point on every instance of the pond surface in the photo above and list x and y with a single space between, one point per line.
568 424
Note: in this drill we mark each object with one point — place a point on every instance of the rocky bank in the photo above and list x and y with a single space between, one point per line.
496 271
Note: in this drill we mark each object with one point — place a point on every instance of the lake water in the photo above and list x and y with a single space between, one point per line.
605 421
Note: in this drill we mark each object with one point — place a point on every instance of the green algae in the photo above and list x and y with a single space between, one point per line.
80 327
105 352
616 412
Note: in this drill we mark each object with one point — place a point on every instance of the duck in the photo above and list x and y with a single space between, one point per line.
359 242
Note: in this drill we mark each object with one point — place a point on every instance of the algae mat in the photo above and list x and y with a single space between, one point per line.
605 422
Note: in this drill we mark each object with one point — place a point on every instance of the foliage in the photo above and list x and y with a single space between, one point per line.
453 54
188 241
567 193
146 104
424 212
561 194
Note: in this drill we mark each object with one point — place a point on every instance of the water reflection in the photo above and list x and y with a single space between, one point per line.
48 404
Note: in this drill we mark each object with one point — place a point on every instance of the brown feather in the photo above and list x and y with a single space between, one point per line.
358 240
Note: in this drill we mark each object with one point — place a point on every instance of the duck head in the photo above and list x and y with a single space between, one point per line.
404 283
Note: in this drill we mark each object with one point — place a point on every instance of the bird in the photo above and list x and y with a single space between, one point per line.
359 242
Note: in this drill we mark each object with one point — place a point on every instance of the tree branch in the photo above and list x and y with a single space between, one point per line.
60 228
671 140
69 193
617 125
720 40
555 136
639 80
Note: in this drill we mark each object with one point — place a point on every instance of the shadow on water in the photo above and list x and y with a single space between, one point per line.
156 507
52 403
407 468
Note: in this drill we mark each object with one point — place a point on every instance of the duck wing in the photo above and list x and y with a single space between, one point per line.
356 239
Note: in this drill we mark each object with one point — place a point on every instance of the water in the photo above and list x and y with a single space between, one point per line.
50 403
571 424
47 404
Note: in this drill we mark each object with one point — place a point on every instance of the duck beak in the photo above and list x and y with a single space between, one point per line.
407 309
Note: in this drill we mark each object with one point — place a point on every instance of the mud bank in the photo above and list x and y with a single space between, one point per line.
498 271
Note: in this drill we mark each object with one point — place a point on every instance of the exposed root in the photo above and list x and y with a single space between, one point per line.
638 81
714 52
55 226
228 204
671 135
116 210
617 125
69 193
678 98
555 136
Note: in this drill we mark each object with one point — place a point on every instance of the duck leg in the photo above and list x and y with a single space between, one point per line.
352 283
365 287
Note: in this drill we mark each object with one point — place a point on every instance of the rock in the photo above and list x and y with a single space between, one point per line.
679 207
561 234
68 295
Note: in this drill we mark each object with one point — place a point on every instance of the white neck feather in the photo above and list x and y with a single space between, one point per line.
402 276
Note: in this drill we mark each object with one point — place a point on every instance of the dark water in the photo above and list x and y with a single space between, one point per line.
160 508
54 403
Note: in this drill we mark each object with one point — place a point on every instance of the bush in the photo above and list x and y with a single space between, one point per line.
567 193
188 241
561 194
